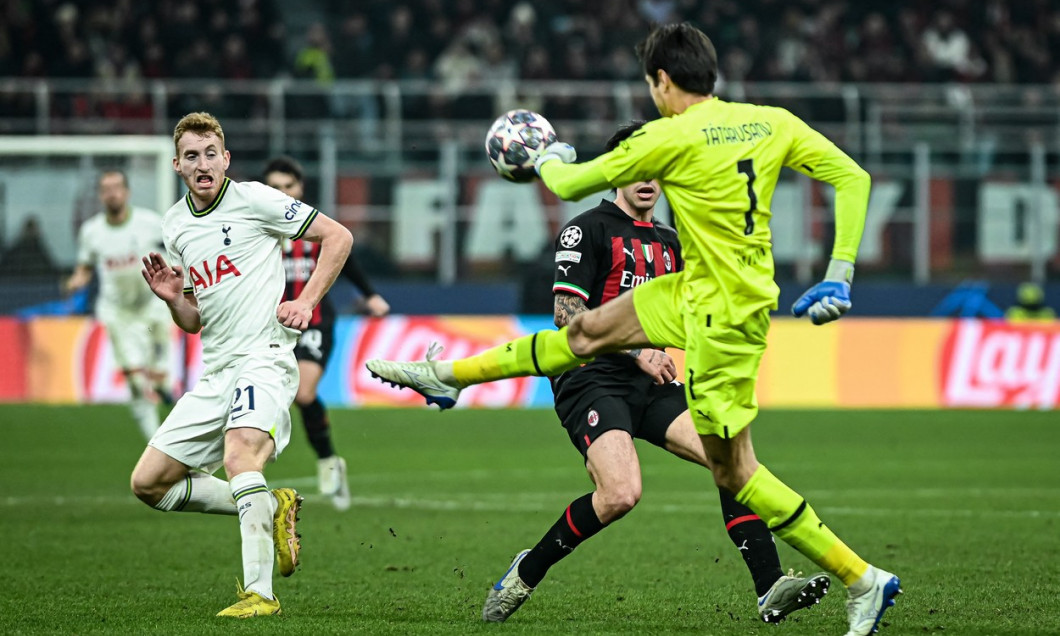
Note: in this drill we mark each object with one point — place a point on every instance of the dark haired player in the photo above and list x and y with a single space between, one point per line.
314 346
718 163
603 405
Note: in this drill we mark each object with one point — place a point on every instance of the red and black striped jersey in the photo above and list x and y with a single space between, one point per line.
600 254
300 261
604 252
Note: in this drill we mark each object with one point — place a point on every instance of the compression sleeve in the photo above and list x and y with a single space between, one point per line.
573 181
353 271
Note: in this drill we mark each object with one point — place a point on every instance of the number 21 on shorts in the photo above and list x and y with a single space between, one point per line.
243 402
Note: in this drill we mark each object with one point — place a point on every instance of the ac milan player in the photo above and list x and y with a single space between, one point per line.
314 347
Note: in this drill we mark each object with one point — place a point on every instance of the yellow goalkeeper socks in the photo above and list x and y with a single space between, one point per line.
544 353
792 519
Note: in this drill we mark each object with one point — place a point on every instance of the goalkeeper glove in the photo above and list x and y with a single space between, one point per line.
556 150
830 299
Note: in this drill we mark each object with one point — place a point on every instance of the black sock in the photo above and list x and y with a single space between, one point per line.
754 540
317 428
577 523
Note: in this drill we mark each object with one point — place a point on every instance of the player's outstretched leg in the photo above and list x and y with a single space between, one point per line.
284 532
869 598
421 377
545 353
251 604
508 594
790 593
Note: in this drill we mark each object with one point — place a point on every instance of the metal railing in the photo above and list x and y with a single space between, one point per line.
908 136
380 118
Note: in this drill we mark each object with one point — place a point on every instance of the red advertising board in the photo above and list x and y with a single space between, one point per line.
1001 364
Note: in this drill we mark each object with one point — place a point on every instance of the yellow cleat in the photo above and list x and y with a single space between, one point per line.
251 604
284 534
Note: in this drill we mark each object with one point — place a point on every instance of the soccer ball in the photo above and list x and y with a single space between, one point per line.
515 141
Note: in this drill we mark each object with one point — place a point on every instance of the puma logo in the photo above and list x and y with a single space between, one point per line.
630 252
565 270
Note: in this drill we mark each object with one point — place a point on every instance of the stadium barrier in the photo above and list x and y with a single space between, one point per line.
855 363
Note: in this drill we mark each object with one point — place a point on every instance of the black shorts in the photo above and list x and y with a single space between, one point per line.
315 344
643 416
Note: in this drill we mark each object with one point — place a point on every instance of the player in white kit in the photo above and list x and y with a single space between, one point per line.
224 277
137 323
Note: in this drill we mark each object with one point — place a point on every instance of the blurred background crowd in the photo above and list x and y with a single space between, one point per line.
456 41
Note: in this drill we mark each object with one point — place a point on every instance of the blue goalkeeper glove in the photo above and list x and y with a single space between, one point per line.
556 150
830 299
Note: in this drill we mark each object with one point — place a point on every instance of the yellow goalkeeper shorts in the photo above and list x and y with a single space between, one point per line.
721 360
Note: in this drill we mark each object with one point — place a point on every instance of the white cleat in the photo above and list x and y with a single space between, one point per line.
418 376
866 609
791 593
508 594
331 475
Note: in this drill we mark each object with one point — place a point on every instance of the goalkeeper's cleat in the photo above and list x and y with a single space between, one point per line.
791 593
331 475
866 609
284 532
251 604
418 376
508 594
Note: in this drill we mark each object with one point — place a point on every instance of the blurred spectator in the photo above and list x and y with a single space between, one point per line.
313 62
1030 305
759 40
27 255
950 49
235 63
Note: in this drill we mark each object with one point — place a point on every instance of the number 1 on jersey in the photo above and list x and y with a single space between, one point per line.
747 167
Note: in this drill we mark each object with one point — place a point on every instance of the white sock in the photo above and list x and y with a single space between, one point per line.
255 505
146 415
864 584
199 492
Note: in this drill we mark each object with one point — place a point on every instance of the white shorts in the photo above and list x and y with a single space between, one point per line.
255 392
140 340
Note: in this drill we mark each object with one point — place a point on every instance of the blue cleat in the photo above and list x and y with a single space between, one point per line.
508 594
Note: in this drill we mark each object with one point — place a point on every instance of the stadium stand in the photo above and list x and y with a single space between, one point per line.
365 92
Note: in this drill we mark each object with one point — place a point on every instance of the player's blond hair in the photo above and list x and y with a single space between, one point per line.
200 124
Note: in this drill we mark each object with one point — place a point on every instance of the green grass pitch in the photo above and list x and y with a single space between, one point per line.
963 505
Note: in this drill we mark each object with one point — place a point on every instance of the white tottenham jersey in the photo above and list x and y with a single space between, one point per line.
232 262
115 251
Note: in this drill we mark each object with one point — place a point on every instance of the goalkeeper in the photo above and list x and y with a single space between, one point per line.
617 397
718 164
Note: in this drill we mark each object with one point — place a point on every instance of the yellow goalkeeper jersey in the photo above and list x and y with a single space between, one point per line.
718 164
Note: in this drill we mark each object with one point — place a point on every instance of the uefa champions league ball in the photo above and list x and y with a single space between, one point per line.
515 141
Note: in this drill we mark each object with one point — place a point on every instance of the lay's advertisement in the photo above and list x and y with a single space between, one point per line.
853 363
